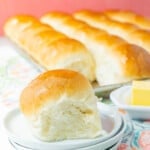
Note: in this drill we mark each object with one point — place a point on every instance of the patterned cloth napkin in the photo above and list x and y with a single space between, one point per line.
137 132
16 72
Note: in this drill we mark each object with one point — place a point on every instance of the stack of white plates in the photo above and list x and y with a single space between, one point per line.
20 136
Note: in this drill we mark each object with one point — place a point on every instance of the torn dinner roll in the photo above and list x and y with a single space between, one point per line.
60 105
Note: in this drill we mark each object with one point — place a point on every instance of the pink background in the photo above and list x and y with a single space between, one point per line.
38 7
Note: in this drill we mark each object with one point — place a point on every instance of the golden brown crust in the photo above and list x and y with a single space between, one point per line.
128 32
134 61
50 86
50 48
130 17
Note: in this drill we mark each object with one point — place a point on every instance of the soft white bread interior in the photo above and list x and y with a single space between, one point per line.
130 17
128 32
51 49
116 60
59 105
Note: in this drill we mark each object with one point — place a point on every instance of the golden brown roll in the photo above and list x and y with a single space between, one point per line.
50 48
116 60
128 32
130 17
60 104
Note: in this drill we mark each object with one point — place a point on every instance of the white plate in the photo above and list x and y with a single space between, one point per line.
111 143
18 131
121 97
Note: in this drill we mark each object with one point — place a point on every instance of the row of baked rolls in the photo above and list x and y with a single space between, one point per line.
48 47
128 32
117 60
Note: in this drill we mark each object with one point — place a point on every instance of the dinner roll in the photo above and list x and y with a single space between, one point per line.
49 48
129 17
116 60
60 104
129 32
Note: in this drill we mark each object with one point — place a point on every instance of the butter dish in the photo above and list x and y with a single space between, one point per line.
121 98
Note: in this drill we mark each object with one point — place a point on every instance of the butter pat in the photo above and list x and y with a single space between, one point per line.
140 93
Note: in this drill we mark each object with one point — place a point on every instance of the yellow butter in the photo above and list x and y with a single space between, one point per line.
140 93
